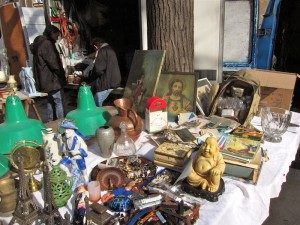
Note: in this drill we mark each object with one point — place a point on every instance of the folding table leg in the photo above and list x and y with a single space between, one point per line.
32 103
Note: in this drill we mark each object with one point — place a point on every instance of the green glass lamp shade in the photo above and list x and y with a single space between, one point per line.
4 165
87 116
17 127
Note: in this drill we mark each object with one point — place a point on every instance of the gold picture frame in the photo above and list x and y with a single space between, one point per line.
185 100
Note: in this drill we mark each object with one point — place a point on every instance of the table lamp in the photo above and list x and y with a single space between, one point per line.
87 116
17 127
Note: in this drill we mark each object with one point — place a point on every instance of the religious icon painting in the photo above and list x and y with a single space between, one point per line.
178 90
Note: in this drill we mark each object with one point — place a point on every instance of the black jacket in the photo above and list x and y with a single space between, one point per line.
106 73
47 66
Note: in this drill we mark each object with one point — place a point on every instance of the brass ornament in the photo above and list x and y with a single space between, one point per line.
29 153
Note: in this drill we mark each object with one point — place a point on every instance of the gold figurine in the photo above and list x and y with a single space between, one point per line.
208 167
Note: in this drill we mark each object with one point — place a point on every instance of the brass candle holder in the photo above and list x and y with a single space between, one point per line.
30 154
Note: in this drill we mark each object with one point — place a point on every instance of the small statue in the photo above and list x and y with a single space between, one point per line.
80 205
207 170
73 148
27 80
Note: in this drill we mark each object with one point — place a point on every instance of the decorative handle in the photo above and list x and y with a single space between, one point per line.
135 117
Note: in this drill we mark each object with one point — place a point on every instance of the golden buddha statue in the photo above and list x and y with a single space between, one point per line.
208 167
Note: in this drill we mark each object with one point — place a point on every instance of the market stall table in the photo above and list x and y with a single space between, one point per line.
29 101
242 202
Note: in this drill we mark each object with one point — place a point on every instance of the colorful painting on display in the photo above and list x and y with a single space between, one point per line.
143 77
178 90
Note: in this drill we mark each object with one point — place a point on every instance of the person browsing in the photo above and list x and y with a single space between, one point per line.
49 72
105 75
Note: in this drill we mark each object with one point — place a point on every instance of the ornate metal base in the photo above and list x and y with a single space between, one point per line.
210 196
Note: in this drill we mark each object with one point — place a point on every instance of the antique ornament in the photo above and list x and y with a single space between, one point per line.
50 214
205 179
8 195
74 149
61 186
105 137
28 151
52 153
26 211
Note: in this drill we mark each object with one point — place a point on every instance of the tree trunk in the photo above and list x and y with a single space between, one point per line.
171 27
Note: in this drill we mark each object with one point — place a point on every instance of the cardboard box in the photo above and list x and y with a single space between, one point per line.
277 88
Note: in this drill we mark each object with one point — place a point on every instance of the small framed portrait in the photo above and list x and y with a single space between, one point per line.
203 96
178 90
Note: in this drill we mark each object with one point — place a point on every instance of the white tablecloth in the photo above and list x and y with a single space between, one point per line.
241 203
248 204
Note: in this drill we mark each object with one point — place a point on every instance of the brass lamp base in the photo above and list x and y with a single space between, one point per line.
33 184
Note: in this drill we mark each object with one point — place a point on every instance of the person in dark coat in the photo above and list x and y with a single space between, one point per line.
105 75
49 72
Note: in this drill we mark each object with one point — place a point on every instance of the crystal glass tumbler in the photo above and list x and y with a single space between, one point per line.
274 122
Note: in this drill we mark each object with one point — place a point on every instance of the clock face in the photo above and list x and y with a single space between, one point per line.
28 154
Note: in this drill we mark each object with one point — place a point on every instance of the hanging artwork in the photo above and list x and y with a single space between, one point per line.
143 77
203 96
178 90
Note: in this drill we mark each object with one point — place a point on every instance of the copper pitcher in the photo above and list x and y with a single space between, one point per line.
127 114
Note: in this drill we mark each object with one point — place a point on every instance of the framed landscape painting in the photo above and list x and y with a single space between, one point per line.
178 90
143 77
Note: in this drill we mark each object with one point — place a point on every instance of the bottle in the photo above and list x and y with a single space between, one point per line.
52 152
124 145
12 83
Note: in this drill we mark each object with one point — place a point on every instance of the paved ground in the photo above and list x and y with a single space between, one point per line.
285 210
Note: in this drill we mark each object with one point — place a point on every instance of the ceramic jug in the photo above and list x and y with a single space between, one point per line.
8 195
61 186
126 114
52 152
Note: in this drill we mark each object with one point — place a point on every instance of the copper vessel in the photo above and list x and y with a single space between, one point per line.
8 195
127 114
